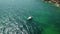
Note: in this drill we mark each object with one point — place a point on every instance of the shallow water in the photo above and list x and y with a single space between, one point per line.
14 13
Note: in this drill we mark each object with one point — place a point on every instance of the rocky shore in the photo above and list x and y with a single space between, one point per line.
56 2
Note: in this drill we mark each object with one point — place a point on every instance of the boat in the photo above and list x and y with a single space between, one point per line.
29 18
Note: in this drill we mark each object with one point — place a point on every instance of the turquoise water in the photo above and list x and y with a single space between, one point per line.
14 13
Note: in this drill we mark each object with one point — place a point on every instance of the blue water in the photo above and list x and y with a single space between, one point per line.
14 14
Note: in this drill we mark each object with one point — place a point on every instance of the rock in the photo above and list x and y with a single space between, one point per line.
57 5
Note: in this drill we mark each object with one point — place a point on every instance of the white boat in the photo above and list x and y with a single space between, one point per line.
29 18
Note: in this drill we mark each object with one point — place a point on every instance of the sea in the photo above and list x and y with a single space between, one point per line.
14 14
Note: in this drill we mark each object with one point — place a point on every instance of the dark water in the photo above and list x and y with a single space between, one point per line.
14 13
